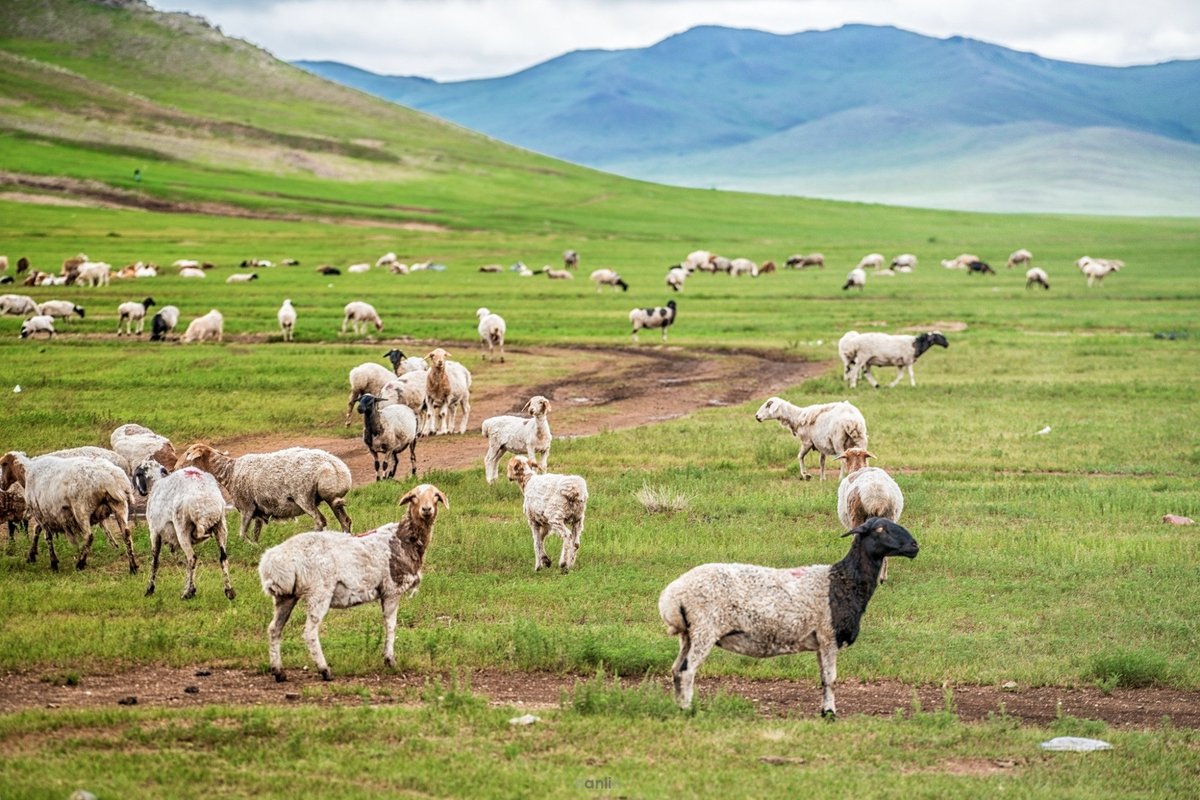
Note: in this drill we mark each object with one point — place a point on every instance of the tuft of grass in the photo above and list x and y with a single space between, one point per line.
599 696
661 499
1129 669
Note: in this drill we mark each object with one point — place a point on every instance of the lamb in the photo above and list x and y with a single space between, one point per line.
163 323
660 317
570 259
367 378
491 332
867 492
828 428
69 496
553 504
607 277
861 351
1021 256
762 612
448 391
557 274
129 313
209 326
38 324
742 266
18 305
136 443
331 571
60 309
94 273
529 436
388 431
242 277
1096 269
287 320
360 314
904 261
800 261
856 277
184 508
676 277
279 485
871 261
192 272
1037 275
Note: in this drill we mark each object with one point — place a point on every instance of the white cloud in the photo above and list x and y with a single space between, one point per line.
457 39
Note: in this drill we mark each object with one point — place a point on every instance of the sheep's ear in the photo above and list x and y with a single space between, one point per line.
441 498
526 406
409 496
861 530
869 455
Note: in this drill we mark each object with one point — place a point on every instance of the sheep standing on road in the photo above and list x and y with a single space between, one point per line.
387 432
448 394
828 428
607 277
867 492
287 320
1037 275
129 313
359 315
491 332
208 326
61 309
38 324
762 612
163 323
328 570
660 317
861 351
530 437
183 509
553 504
855 277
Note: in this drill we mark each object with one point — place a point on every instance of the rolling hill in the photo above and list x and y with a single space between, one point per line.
859 113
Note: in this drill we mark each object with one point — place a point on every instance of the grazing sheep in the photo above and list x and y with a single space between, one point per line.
553 504
386 260
980 267
762 612
163 323
327 570
557 274
861 351
360 314
570 259
1022 257
800 261
279 485
129 313
1037 275
676 277
855 277
136 443
290 262
871 261
867 492
192 272
256 262
209 326
183 509
660 317
38 324
701 260
387 432
242 277
448 394
904 261
607 277
742 266
328 270
18 305
287 320
828 428
491 332
960 261
528 436
60 309
491 268
721 264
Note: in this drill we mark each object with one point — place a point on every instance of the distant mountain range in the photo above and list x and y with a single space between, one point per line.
857 113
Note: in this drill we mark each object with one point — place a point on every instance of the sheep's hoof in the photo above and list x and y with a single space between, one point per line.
389 662
279 676
564 568
53 565
149 590
806 477
133 568
188 594
230 593
79 565
326 675
829 714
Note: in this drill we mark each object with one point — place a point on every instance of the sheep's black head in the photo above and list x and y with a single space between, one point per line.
395 356
366 404
882 538
149 301
624 286
146 473
78 310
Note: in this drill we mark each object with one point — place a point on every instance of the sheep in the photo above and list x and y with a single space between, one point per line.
192 272
800 261
871 261
242 277
402 365
326 269
186 263
904 261
491 332
399 269
721 264
287 320
960 261
60 309
69 496
256 262
742 266
94 273
980 267
1037 275
557 274
360 314
660 317
18 305
570 259
331 571
145 271
13 510
408 389
867 492
163 323
183 509
676 277
387 259
767 268
358 269
367 378
38 324
208 326
861 351
607 277
279 485
3 263
553 504
828 428
762 612
447 387
1021 256
512 434
290 262
855 277
491 268
129 313
699 260
22 264
388 431
1096 269
136 443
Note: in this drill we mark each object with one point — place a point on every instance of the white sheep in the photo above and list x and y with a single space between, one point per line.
448 394
358 269
855 277
701 260
608 277
761 612
18 305
660 317
208 326
557 274
528 436
867 492
242 277
570 259
328 570
366 378
961 261
94 273
387 432
871 261
38 324
861 351
145 271
360 314
800 261
904 262
131 312
192 272
1096 269
676 276
287 320
491 332
402 364
743 266
553 504
387 259
721 264
828 428
1036 275
60 309
186 263
135 443
1021 256
279 485
183 509
163 323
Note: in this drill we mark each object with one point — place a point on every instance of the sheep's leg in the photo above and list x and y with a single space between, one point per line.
540 559
827 659
412 456
822 462
395 463
127 535
912 381
258 526
283 610
491 462
542 458
345 320
86 550
390 603
338 506
222 536
37 531
805 450
465 409
899 377
247 518
870 378
686 678
502 352
186 536
681 660
354 395
312 508
571 544
317 609
108 534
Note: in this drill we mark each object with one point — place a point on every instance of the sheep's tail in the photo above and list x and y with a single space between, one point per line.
572 494
856 435
494 336
278 576
673 614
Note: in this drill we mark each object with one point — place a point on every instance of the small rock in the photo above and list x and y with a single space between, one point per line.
291 696
1044 431
526 719
781 761
1075 744
1175 519
51 705
127 701
81 794
203 673
191 689
1009 686
17 389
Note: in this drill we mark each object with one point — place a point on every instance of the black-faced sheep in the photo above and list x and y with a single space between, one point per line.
131 312
387 432
163 323
660 317
607 277
1038 276
861 351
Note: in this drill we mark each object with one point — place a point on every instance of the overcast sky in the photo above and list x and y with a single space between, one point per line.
457 39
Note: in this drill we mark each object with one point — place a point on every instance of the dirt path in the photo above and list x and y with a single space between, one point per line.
160 687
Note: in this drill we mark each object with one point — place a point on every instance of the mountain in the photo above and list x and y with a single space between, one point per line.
847 113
